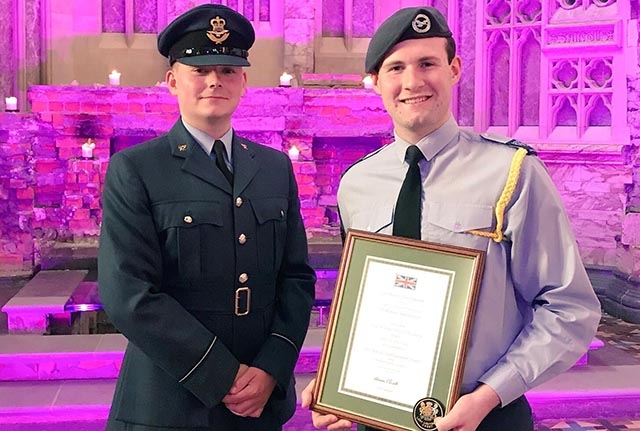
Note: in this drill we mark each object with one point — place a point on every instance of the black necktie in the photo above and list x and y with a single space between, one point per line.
218 149
406 221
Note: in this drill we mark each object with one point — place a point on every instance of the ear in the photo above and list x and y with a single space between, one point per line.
376 87
170 79
244 83
456 69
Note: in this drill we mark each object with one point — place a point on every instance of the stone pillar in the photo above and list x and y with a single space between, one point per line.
8 64
299 29
622 296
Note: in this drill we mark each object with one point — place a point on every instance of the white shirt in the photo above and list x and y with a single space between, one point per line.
206 142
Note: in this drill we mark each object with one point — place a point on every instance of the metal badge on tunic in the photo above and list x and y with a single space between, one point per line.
426 411
421 23
218 33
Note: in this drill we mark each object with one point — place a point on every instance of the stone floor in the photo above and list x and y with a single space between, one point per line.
622 347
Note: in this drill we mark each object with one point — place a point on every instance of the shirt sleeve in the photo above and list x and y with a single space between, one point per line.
547 272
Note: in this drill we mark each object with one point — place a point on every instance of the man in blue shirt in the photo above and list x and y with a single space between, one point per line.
536 312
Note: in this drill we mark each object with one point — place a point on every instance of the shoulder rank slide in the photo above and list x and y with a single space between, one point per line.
365 157
514 143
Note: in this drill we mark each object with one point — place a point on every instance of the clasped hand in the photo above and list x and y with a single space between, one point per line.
250 391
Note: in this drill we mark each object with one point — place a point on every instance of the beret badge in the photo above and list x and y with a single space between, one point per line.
421 23
218 33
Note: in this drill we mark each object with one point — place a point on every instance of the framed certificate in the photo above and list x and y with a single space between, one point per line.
401 317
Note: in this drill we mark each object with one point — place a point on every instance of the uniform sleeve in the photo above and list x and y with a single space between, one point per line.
550 278
295 296
129 275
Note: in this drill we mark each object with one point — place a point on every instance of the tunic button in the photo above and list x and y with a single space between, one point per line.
242 238
243 278
238 201
281 213
187 219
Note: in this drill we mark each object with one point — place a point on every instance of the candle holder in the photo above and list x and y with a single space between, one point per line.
11 104
87 149
285 80
294 153
114 77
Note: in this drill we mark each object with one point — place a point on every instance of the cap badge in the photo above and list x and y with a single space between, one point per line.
421 23
218 33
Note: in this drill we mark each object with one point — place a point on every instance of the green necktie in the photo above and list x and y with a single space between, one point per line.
218 149
408 212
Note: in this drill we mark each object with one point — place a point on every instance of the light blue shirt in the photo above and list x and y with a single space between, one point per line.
206 142
537 311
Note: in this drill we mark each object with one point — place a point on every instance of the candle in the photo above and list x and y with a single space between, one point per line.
114 77
11 104
294 153
285 80
87 149
367 81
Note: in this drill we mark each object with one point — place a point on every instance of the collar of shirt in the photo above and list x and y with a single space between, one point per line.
433 143
206 141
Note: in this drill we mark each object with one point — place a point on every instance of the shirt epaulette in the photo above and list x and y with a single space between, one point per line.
514 143
373 153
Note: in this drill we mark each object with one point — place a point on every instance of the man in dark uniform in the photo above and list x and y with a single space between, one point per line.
203 253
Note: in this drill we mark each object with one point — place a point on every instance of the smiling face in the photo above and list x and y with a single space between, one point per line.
207 95
415 81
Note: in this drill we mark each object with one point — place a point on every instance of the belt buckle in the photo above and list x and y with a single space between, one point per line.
239 292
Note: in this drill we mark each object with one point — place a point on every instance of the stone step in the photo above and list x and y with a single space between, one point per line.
82 405
42 299
593 392
99 356
589 392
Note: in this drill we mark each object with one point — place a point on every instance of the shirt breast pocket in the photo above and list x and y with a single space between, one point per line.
449 223
377 220
186 230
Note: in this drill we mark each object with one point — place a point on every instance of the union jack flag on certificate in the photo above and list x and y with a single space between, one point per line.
406 282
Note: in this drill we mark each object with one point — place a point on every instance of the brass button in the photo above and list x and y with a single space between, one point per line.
243 277
187 219
242 238
238 201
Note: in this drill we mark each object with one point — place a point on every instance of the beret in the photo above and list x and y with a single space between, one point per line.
407 23
209 34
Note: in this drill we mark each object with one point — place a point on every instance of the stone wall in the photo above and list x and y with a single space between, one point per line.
49 193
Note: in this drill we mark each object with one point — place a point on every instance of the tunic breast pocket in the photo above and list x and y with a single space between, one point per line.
449 223
271 231
191 235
